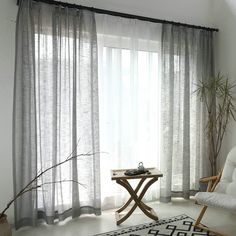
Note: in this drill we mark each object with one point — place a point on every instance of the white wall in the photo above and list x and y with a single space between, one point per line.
187 11
224 16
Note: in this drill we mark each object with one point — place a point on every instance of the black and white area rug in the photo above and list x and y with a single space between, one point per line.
175 226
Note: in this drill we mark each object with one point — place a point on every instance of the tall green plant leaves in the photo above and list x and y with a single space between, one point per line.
217 95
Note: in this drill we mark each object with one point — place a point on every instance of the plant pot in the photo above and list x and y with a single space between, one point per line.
5 228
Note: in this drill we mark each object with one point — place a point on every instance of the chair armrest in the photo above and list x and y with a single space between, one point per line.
207 179
212 181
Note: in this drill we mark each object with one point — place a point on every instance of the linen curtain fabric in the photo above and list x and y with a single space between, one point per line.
55 105
129 94
187 57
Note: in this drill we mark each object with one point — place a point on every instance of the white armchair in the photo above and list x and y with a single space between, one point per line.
221 191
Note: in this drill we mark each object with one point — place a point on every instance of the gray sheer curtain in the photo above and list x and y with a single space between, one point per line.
55 105
187 58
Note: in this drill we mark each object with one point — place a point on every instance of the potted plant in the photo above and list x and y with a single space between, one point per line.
216 93
5 229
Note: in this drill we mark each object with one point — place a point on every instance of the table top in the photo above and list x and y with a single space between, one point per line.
120 174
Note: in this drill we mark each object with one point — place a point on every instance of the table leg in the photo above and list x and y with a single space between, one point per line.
138 199
131 199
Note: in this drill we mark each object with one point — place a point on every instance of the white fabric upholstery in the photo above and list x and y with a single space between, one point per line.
224 195
227 183
214 199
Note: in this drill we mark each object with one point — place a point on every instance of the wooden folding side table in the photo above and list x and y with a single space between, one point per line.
122 179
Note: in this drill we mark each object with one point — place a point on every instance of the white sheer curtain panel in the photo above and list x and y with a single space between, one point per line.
129 100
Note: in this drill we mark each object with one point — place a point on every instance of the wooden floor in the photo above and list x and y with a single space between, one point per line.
90 225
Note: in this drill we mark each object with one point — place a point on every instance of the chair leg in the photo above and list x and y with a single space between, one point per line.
200 216
199 225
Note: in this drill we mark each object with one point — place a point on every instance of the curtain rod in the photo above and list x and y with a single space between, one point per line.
120 14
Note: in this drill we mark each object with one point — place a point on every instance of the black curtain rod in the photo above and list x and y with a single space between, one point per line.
125 15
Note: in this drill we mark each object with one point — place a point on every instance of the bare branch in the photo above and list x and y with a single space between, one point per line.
64 181
29 186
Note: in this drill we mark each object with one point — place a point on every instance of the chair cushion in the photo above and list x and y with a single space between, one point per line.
215 199
227 182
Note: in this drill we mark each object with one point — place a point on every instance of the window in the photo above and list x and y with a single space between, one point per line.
129 103
54 100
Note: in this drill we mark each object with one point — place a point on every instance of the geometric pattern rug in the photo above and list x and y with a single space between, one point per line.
181 225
